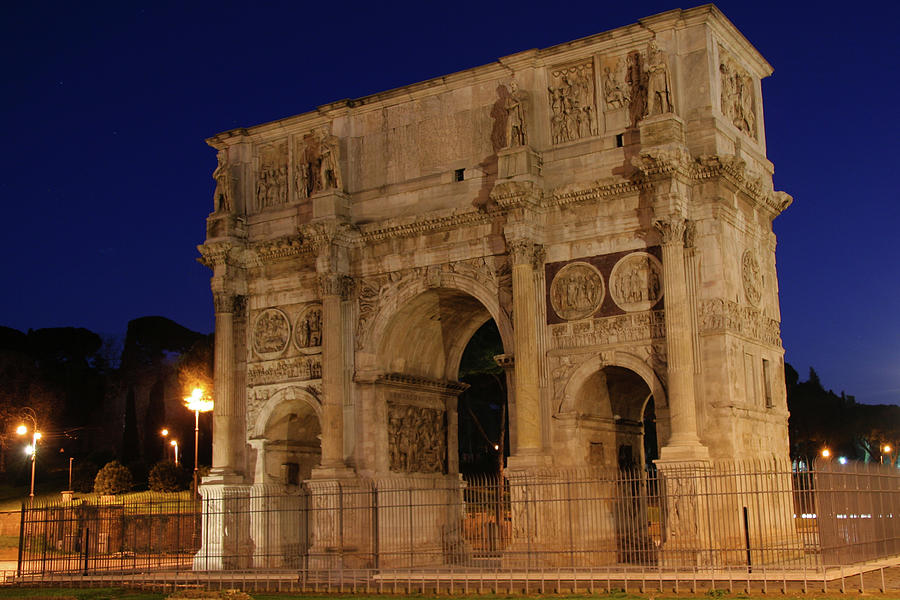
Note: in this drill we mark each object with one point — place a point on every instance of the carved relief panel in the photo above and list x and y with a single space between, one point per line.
738 96
316 163
572 106
285 345
308 328
751 275
639 81
271 332
272 176
576 291
636 282
417 438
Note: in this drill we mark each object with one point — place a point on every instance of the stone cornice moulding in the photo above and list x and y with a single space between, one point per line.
417 383
213 254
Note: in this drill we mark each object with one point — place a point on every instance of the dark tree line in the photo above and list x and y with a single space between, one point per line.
98 398
822 419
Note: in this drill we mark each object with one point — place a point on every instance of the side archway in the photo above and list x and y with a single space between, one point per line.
287 437
613 413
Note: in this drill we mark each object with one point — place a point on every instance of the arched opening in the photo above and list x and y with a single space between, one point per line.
613 414
292 445
421 357
483 406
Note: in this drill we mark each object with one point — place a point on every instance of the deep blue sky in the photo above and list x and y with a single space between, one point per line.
106 177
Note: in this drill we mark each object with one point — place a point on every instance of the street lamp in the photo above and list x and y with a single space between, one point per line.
886 449
165 434
198 404
32 449
174 444
826 453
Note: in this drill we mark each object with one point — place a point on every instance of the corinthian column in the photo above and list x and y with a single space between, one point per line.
333 290
227 431
527 385
684 444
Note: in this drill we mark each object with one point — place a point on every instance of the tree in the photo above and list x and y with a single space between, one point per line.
113 478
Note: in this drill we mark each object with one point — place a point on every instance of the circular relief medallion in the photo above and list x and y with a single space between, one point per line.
576 291
308 328
271 333
752 277
636 282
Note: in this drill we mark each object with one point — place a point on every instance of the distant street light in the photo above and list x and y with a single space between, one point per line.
196 403
174 444
826 453
886 449
35 436
165 434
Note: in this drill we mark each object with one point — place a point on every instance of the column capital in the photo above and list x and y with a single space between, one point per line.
335 284
524 251
671 229
229 303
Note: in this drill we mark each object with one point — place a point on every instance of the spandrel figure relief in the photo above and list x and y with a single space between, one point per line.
308 329
271 333
636 282
572 113
577 291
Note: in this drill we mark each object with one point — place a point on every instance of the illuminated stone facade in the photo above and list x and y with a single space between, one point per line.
607 202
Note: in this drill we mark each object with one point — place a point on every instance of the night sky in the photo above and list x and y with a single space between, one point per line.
107 180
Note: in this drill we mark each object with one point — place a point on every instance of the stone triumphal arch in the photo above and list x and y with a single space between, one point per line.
606 202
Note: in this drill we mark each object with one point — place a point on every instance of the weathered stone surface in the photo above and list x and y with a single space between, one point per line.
608 203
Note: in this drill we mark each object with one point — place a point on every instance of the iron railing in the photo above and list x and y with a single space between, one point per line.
729 520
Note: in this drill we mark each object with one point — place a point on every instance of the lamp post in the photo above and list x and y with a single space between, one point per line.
886 449
174 444
198 404
164 432
35 436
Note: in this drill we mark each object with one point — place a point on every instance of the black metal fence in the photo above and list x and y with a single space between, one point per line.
737 518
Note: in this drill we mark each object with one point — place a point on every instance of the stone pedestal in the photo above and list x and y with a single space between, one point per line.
419 520
520 161
277 526
330 204
341 519
225 525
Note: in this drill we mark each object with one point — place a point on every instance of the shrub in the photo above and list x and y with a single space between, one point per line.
166 477
113 478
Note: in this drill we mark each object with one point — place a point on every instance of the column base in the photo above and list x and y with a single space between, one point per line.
683 453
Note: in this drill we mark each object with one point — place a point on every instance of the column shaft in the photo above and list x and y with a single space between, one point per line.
332 372
226 432
528 395
679 350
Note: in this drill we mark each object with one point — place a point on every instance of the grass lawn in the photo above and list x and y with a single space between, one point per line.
129 594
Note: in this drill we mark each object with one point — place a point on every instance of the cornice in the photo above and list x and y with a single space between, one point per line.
414 382
213 254
282 248
376 232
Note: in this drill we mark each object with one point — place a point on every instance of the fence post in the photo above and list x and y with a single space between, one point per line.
21 542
